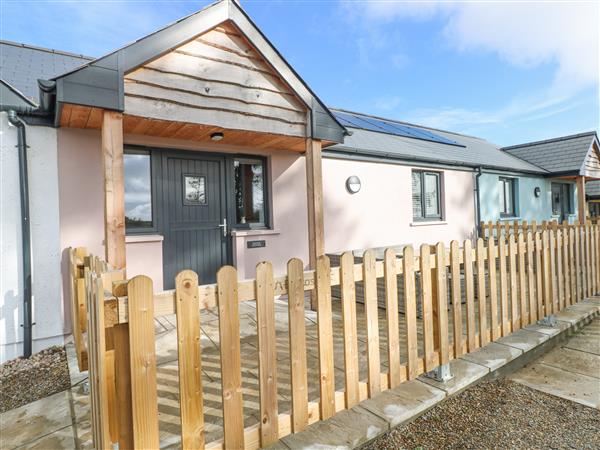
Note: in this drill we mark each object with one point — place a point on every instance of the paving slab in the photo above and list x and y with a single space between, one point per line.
587 308
573 361
40 418
346 430
61 439
524 339
403 403
551 380
493 355
572 316
561 326
464 374
584 343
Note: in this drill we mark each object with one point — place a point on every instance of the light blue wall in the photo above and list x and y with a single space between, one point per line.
528 206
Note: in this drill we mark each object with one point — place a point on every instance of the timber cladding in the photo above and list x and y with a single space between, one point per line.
495 287
217 79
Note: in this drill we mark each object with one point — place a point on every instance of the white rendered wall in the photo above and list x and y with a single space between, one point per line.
48 309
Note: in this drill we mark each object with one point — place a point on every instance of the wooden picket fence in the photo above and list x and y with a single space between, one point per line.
508 227
508 284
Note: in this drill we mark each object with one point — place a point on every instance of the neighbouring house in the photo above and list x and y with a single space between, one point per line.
199 146
592 196
570 162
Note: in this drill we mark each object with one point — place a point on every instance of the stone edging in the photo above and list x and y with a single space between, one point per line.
372 418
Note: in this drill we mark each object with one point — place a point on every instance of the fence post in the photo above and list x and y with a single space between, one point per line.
187 306
267 353
442 303
539 276
456 294
231 365
553 274
503 288
295 274
470 294
531 279
559 305
546 274
522 280
123 386
372 321
481 293
349 326
143 362
578 282
427 306
566 266
410 312
492 275
514 298
325 331
572 267
391 307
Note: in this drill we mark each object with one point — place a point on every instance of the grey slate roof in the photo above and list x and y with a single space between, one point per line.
592 189
475 153
561 155
21 65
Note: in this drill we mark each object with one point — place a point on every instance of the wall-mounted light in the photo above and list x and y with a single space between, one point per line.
537 191
353 184
216 136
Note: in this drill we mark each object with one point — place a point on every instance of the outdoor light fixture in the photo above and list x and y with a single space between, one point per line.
537 191
353 184
216 136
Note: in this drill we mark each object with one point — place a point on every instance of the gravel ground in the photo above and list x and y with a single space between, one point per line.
501 415
23 380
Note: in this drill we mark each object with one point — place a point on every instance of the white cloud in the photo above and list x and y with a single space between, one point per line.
524 34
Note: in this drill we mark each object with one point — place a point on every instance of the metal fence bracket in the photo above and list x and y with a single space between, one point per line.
441 373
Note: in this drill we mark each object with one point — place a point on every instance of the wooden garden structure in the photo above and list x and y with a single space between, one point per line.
470 295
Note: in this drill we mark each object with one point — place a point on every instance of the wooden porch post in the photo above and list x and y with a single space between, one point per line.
314 190
581 199
114 190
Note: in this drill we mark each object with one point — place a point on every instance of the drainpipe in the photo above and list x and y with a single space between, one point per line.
477 203
15 120
47 99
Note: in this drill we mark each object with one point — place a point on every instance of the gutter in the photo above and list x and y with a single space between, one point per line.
45 109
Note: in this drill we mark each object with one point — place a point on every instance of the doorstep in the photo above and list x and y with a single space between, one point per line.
372 418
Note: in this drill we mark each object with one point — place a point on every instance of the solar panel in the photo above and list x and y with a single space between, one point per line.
397 129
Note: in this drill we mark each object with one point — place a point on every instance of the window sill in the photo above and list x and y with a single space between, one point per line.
260 232
143 238
426 223
509 219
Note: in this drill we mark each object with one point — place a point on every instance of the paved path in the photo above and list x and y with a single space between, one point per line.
571 370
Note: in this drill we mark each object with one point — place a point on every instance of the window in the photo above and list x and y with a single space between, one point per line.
138 191
426 195
249 178
507 197
561 199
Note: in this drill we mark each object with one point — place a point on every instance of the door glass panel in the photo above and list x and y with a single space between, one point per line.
249 191
195 190
138 191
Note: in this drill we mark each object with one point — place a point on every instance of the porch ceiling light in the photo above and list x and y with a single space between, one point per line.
537 191
353 184
216 136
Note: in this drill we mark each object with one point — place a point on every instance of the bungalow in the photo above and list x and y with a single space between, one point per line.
570 162
199 146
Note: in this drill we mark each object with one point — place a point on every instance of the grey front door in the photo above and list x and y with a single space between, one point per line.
194 208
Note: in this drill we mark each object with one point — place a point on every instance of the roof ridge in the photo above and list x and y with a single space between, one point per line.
546 141
45 49
402 122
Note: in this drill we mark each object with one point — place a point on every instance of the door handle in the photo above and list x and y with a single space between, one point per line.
224 226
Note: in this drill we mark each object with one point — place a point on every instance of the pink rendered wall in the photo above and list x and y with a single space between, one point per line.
82 206
381 213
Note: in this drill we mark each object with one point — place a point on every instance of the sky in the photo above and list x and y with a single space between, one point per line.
507 71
